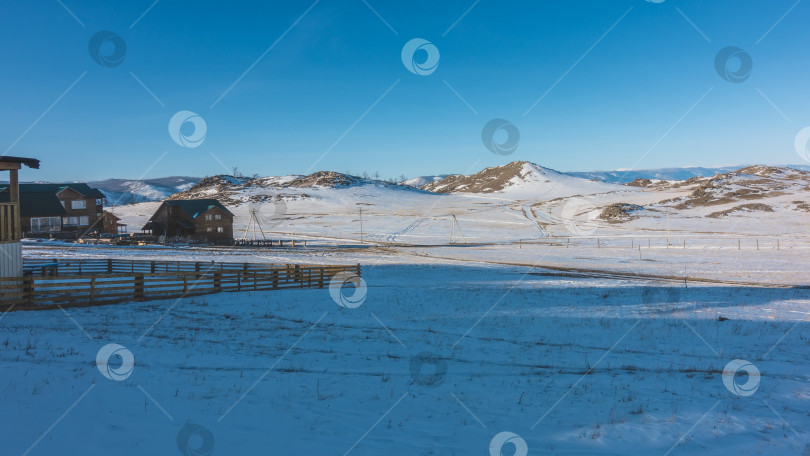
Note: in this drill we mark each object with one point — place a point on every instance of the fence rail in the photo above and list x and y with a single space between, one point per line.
94 282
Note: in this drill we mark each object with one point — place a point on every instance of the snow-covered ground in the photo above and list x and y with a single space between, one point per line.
438 359
569 332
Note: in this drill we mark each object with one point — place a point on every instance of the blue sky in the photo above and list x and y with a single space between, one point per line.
627 83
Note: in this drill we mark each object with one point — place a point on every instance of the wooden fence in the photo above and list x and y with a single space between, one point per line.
93 282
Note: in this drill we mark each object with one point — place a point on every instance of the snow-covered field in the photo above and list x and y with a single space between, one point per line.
438 359
544 330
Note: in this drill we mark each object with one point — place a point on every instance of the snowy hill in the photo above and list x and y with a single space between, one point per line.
519 179
123 191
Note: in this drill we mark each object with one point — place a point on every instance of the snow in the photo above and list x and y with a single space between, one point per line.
571 365
577 335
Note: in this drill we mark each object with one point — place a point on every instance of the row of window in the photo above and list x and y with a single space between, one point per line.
210 217
79 204
46 224
220 229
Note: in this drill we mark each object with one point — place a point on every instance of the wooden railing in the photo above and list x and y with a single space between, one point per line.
88 282
9 222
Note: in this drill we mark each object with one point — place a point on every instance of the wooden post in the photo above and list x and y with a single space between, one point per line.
152 267
738 244
320 278
777 244
92 289
109 266
757 243
185 284
14 197
218 281
28 290
139 286
274 275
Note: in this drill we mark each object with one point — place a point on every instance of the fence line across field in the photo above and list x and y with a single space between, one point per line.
674 242
89 282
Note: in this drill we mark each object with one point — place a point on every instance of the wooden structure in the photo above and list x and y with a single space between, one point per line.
203 219
104 281
54 208
10 230
112 224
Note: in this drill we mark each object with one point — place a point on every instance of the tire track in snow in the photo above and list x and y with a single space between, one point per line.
407 229
529 214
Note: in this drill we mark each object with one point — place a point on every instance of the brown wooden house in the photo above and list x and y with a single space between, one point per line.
48 208
205 219
112 224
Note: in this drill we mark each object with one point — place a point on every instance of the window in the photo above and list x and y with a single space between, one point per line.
62 202
217 216
84 220
207 216
220 229
78 204
45 224
70 221
98 201
209 229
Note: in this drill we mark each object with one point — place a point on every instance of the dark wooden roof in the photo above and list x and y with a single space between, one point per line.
37 204
196 207
29 162
82 188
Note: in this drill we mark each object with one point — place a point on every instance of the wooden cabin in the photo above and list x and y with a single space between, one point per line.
112 224
204 219
10 231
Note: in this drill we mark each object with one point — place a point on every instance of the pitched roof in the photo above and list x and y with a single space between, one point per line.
35 204
196 207
82 188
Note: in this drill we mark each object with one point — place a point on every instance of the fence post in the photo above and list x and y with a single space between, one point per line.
275 278
28 289
185 283
92 289
152 267
358 269
218 281
109 266
139 286
320 278
239 281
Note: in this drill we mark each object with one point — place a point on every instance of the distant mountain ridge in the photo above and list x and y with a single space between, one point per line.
684 173
125 191
129 191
